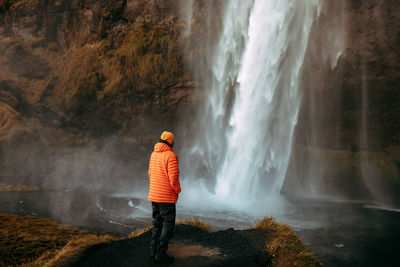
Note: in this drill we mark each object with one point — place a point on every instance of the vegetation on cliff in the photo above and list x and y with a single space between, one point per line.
100 71
72 73
18 188
104 85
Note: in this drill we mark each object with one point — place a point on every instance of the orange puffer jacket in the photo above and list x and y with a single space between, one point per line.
164 175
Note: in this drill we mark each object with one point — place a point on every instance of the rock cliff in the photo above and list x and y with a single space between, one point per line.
74 72
348 133
94 66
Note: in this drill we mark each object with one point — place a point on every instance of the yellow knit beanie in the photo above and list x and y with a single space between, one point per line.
168 136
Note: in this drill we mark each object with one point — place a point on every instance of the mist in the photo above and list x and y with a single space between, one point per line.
259 124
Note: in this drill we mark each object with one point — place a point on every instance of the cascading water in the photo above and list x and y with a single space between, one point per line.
187 12
246 128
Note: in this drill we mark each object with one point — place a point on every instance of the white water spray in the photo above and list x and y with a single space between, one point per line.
188 13
252 107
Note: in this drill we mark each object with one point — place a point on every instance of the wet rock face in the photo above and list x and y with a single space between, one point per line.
53 20
363 86
350 114
95 65
77 75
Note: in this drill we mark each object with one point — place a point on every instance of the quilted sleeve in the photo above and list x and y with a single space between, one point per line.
173 173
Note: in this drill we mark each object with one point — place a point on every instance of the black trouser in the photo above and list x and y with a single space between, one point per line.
163 226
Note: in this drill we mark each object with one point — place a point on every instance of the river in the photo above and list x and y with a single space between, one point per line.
339 233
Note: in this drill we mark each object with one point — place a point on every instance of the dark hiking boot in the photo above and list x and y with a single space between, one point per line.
165 259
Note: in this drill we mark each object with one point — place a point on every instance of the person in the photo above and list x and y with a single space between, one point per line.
163 193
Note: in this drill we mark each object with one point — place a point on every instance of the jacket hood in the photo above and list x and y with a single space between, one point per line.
161 147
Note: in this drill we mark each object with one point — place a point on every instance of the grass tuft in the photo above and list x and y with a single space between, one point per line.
196 223
18 188
72 250
284 246
140 231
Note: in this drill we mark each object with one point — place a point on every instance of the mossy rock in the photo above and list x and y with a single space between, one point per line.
11 122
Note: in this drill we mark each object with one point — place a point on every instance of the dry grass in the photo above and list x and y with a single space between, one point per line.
32 241
284 246
25 238
18 188
149 57
10 121
140 231
196 223
72 250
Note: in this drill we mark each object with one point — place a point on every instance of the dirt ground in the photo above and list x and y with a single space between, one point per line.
190 246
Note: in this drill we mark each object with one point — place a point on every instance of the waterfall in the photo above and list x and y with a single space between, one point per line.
369 173
245 131
187 6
